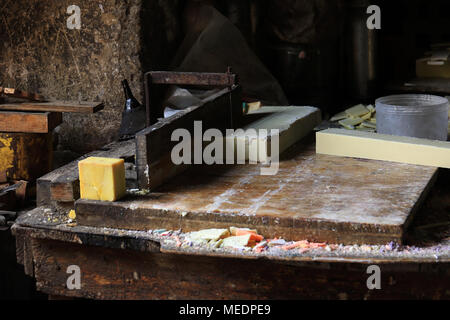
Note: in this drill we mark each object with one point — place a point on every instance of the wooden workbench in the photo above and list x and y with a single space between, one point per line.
119 264
127 264
315 197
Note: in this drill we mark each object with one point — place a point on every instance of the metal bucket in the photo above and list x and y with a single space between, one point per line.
413 115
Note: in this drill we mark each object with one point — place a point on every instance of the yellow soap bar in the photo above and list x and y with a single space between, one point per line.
367 145
349 123
339 116
369 125
367 116
102 179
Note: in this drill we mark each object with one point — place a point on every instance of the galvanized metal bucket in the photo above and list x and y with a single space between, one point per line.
413 115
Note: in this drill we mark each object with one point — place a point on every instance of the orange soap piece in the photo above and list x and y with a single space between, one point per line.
253 234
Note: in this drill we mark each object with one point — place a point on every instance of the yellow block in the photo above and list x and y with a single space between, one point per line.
349 123
366 145
102 179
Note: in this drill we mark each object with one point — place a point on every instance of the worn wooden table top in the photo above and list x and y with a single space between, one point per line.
315 197
121 264
129 264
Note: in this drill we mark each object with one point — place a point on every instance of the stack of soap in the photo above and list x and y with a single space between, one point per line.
293 123
359 117
102 179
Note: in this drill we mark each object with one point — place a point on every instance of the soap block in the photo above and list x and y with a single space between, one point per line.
357 111
210 234
367 116
350 123
293 124
237 242
339 116
102 179
369 125
374 146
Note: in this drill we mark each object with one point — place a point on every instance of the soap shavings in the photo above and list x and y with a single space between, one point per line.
359 117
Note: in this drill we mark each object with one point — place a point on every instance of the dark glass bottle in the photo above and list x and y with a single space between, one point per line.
133 115
130 101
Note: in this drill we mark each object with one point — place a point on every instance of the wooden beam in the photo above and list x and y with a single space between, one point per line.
66 188
374 146
22 94
125 273
153 144
28 122
154 80
55 106
193 78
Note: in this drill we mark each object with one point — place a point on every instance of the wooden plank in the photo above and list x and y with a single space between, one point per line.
127 274
315 197
427 249
43 184
55 106
12 92
66 188
154 145
193 78
29 122
368 145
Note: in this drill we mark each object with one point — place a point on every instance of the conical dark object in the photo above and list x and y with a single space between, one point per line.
133 115
130 101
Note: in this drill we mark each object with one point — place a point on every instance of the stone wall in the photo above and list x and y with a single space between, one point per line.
118 39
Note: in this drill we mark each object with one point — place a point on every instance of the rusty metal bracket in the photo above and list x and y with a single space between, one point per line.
199 79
